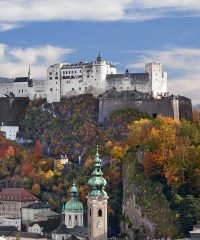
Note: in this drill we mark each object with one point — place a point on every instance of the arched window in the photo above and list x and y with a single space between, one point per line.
76 217
99 213
69 217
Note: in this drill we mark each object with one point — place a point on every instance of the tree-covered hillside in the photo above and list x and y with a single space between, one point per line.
168 177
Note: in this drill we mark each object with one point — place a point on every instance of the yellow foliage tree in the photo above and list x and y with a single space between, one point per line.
36 189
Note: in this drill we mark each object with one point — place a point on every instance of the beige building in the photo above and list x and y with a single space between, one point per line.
13 199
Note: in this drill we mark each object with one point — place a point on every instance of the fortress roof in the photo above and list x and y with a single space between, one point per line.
134 77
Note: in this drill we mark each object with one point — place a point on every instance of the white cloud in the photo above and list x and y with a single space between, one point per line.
15 61
182 65
9 26
15 12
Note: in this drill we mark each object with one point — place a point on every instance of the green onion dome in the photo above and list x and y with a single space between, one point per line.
97 182
74 205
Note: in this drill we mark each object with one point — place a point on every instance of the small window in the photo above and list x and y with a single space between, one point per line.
80 88
76 217
51 89
85 88
90 212
70 217
72 89
99 213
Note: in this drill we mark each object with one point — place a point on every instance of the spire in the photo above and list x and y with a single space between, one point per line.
97 182
29 73
99 58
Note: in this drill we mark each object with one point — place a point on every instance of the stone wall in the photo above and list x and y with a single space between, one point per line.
12 109
174 107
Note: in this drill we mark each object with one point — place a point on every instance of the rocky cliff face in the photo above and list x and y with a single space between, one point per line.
135 223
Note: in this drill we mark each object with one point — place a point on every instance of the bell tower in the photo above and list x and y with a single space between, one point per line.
97 200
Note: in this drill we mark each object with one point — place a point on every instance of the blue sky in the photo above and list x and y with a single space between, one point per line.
126 32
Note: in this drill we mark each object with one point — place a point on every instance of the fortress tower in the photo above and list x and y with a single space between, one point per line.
157 79
73 210
97 203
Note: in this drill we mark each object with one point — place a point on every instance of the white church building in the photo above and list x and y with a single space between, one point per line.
65 80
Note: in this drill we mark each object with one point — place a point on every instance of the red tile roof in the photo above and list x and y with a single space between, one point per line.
17 194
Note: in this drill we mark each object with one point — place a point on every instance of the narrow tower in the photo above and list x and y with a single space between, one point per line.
74 210
29 73
97 203
30 81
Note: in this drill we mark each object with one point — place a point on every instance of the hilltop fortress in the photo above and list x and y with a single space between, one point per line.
65 80
146 92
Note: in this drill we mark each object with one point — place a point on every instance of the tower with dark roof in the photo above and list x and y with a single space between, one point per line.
97 203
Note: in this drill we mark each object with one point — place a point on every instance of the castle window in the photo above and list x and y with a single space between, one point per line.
72 89
80 88
19 90
99 213
90 212
51 89
76 217
50 78
80 71
85 88
56 77
22 90
63 238
70 217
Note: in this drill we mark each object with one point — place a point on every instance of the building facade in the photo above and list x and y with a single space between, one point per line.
10 131
28 212
65 80
13 199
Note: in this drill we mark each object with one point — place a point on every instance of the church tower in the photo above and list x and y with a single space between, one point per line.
97 203
73 210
